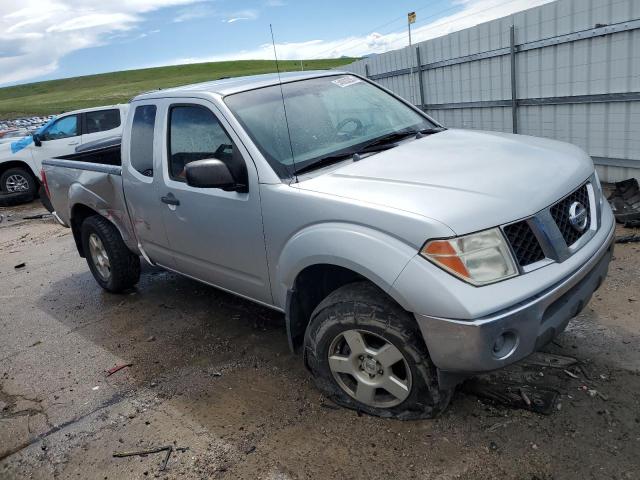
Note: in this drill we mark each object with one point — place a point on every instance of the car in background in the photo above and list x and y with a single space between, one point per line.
8 136
21 159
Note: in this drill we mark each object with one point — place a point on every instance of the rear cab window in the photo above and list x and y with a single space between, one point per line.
142 131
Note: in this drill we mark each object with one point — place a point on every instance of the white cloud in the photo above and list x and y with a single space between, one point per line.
197 11
472 13
36 34
242 15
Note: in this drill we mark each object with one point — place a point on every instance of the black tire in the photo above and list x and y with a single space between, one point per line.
124 265
364 307
22 173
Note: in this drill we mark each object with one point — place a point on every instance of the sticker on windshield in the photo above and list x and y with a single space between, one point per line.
346 81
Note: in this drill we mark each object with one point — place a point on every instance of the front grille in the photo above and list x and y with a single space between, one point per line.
524 243
560 213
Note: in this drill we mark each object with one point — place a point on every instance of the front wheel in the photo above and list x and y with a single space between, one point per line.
367 353
112 264
18 180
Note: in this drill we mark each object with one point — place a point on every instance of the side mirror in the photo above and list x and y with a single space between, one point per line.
210 173
37 141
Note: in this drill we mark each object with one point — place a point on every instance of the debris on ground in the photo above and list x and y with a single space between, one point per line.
168 449
37 217
544 359
628 238
625 202
526 397
117 368
20 265
151 339
571 374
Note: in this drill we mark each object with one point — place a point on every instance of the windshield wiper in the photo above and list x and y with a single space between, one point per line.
379 144
339 156
393 137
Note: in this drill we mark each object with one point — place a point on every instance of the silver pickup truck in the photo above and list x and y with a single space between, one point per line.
405 256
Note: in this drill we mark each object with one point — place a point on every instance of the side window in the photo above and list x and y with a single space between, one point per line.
63 128
141 153
102 120
195 134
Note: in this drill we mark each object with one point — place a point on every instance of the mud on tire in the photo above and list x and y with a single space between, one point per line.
364 307
124 265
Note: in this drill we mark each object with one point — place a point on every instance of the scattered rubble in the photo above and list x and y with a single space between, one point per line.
625 202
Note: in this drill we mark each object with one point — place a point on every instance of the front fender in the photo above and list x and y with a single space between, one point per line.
375 255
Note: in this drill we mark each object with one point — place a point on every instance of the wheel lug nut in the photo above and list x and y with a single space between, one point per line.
361 357
380 372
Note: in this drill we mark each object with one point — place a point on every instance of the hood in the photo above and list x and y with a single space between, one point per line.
5 147
469 180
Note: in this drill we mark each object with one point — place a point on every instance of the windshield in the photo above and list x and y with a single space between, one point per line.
326 116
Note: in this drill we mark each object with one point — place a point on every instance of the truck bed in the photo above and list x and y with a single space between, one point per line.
105 152
90 178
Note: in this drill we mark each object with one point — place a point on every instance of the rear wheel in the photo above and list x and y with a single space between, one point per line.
367 353
112 264
18 180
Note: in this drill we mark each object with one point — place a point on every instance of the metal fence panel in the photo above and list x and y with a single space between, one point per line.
577 77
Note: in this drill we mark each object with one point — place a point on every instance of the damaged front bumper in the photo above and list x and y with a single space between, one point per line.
463 347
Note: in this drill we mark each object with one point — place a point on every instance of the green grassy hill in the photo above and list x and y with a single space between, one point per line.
56 96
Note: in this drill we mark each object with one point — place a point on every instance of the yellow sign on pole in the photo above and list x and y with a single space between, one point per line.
412 17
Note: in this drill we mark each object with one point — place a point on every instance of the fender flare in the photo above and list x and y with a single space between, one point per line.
375 255
79 196
371 254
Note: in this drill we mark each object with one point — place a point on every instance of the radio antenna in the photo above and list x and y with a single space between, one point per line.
284 107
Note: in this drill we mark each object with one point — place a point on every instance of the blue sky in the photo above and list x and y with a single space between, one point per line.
45 39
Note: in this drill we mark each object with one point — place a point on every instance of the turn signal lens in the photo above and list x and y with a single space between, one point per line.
479 258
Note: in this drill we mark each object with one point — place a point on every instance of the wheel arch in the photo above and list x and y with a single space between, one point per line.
312 285
341 253
79 213
4 166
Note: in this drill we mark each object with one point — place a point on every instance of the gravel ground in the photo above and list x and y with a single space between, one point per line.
211 376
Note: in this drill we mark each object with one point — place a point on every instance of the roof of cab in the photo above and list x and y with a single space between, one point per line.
228 86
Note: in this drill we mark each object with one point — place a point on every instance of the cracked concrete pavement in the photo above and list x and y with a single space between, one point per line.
212 373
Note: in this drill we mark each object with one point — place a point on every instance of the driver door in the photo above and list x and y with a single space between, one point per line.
216 236
60 138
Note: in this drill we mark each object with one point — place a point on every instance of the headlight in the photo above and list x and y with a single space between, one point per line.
479 258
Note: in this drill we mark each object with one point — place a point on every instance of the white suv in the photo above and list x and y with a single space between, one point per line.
21 159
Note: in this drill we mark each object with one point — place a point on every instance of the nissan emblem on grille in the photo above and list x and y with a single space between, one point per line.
578 216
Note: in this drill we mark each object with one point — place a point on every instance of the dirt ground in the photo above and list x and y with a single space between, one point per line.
211 375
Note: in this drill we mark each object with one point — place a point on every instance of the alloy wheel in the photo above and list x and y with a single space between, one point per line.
17 183
369 368
99 257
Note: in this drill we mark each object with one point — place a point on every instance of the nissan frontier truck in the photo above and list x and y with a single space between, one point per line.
405 256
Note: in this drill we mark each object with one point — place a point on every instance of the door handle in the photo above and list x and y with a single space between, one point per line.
170 200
